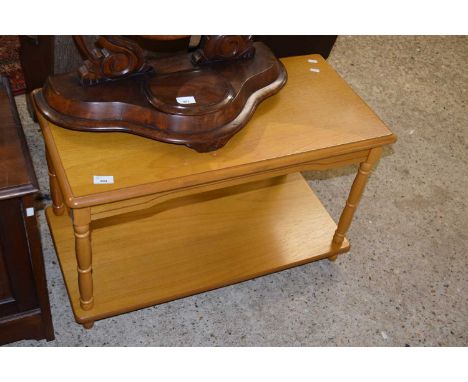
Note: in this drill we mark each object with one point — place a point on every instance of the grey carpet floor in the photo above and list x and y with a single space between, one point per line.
404 281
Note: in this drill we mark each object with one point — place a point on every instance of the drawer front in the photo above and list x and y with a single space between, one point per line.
17 288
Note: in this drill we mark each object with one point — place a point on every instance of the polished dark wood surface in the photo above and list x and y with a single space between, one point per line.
14 243
37 59
37 63
226 95
16 172
42 56
222 48
116 57
293 45
24 301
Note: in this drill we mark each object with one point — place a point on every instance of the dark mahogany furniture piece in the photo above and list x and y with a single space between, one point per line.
287 46
199 99
37 63
24 301
42 56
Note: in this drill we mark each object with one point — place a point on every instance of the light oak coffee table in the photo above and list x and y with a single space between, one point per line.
175 222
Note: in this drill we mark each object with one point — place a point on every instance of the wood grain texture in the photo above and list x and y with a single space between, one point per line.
271 225
315 116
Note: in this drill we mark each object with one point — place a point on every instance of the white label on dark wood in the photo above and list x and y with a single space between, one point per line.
30 211
103 179
186 100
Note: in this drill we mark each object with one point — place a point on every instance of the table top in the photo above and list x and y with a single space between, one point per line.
17 176
315 116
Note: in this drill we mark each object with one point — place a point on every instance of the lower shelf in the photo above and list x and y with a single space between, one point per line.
197 243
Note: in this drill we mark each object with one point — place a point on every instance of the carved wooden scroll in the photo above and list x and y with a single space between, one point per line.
116 58
222 48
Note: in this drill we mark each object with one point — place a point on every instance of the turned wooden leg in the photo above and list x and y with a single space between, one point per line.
354 197
57 200
88 325
81 221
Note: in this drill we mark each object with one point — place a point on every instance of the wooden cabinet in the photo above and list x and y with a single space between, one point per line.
24 302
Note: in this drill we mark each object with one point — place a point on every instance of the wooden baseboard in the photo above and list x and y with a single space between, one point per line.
23 326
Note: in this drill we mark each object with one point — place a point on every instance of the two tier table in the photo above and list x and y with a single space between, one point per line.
171 222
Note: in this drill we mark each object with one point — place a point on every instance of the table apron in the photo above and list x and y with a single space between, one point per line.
147 201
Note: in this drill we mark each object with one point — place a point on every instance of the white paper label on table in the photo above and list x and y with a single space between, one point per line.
186 100
30 211
103 179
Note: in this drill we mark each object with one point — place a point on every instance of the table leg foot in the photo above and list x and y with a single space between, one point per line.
333 258
88 325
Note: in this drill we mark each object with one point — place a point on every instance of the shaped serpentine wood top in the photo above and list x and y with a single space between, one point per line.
171 99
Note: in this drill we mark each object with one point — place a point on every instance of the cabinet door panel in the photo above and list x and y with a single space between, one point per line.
15 272
5 290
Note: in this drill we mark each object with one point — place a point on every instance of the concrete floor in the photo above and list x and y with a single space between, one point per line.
404 281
